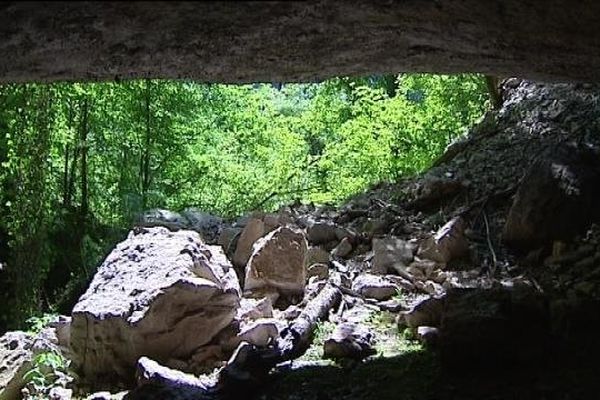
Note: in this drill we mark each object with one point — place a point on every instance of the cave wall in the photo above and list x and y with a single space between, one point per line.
297 41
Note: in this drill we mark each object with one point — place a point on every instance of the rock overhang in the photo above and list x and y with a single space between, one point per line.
245 42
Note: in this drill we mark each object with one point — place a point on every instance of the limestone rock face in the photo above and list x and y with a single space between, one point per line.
159 293
557 198
314 41
278 262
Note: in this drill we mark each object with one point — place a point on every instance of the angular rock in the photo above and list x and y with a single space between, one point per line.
374 287
253 230
343 249
428 335
317 255
160 294
17 350
557 198
391 255
60 393
447 244
156 382
252 309
99 396
321 271
207 225
427 312
63 331
322 233
15 361
160 217
278 262
349 341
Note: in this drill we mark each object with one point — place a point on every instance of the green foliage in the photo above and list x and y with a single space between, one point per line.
49 369
81 160
37 323
321 333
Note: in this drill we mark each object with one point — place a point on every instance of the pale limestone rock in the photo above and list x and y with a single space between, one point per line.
17 350
15 361
278 262
350 341
252 309
448 243
161 294
343 249
374 287
254 229
321 271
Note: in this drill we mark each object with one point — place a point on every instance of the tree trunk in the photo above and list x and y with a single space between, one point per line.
65 186
145 161
84 167
494 92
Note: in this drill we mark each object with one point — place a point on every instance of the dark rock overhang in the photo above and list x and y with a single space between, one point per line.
297 41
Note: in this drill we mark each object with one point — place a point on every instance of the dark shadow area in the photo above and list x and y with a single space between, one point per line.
419 375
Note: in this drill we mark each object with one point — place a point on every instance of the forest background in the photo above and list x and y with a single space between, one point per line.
81 161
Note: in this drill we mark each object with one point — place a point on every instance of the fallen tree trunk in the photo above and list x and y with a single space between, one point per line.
249 366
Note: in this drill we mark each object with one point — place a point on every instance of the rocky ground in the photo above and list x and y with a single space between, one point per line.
478 279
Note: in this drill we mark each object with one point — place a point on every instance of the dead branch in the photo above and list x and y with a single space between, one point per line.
250 365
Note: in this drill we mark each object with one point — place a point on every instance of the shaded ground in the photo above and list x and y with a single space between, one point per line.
403 369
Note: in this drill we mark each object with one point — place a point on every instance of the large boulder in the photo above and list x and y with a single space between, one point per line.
160 294
278 262
557 198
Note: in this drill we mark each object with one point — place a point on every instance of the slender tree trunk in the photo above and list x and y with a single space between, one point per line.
75 156
65 186
84 166
494 92
145 164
